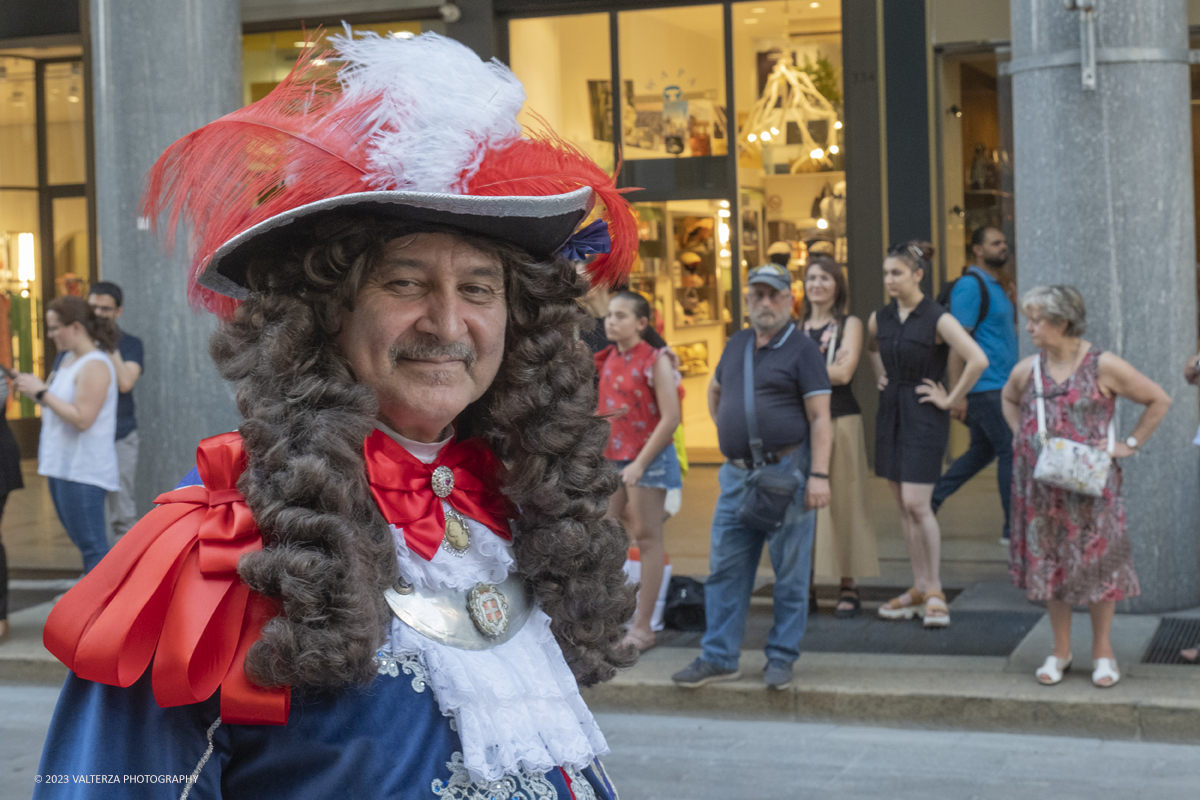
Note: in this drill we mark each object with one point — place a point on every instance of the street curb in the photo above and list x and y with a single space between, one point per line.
970 698
34 671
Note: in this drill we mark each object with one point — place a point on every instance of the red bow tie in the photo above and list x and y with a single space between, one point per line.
409 497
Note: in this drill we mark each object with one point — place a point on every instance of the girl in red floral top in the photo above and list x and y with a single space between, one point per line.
638 395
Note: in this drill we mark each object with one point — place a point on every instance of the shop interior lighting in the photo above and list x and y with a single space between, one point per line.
723 212
25 271
723 233
304 45
814 5
320 62
833 149
822 224
724 254
73 95
751 20
759 10
789 96
724 204
837 126
403 34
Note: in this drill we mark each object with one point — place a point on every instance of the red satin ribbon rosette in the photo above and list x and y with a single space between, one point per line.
402 487
169 592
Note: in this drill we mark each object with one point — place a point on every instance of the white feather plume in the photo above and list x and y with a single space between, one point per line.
431 131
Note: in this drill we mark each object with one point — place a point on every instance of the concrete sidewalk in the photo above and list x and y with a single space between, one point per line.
993 693
1152 702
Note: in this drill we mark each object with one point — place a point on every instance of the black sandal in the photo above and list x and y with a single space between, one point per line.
849 594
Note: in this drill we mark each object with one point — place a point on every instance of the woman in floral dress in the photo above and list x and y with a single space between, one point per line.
1070 549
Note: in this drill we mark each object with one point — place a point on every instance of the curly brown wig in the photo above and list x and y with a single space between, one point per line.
328 555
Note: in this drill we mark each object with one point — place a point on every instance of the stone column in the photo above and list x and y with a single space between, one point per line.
160 69
1104 202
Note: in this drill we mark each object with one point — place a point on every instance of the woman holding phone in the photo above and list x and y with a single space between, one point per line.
77 451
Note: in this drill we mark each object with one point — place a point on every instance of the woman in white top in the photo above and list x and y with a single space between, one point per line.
79 422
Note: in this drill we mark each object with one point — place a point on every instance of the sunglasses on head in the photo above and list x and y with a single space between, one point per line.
911 249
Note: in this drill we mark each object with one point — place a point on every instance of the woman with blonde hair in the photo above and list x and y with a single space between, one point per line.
845 540
1068 548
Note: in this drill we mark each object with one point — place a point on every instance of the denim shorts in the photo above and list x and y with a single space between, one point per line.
662 473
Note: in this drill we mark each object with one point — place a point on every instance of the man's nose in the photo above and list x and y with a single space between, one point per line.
443 315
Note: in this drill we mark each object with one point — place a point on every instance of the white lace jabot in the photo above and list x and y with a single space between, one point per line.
516 705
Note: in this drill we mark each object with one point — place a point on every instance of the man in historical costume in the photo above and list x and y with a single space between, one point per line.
391 581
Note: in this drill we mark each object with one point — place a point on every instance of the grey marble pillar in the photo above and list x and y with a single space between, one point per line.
160 69
1104 202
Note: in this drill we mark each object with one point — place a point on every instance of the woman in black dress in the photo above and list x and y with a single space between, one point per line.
10 479
909 340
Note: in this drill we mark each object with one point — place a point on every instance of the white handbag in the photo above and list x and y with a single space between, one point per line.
1068 464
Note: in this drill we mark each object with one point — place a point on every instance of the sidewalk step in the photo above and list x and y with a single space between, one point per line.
946 692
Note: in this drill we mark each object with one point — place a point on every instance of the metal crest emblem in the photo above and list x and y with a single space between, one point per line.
442 481
488 609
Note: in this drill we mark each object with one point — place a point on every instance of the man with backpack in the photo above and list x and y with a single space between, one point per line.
979 302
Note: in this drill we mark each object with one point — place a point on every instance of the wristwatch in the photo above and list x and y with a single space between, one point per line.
38 397
1132 442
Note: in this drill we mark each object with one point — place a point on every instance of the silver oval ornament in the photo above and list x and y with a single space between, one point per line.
442 481
488 609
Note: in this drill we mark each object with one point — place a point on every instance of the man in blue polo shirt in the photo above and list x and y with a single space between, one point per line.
996 334
791 399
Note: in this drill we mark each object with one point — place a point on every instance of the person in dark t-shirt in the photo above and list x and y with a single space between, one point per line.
791 397
107 300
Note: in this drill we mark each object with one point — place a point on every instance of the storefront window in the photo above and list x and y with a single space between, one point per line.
673 82
65 143
20 290
45 239
788 80
683 270
976 157
565 65
268 57
18 123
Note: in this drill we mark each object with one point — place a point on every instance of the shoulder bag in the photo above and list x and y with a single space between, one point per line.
768 493
1065 463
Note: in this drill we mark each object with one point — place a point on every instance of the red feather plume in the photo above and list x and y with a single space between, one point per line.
543 163
295 146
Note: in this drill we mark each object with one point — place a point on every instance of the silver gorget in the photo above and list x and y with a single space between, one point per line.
483 617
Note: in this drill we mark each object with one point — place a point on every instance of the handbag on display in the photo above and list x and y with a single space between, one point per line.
768 492
1065 463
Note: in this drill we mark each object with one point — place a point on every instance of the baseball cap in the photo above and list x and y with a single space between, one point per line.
771 274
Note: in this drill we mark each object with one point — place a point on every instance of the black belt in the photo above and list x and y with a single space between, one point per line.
770 458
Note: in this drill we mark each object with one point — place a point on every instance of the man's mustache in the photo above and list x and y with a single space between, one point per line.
422 350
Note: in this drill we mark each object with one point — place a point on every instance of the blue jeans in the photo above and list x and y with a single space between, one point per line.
80 507
990 438
733 560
